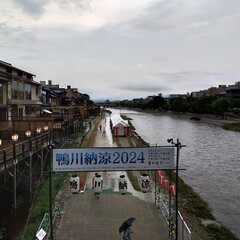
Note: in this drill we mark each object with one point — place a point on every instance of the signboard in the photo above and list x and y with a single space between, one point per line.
41 234
113 159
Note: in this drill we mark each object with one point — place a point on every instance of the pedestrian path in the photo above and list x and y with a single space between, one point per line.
89 218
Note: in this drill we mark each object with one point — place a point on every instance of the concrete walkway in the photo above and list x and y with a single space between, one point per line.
88 218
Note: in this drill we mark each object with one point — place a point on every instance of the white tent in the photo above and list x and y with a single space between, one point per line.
120 127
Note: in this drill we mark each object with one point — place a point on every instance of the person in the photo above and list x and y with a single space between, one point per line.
104 132
95 175
127 234
100 127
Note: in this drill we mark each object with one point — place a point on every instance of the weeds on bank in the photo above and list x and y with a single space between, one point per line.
129 121
77 135
133 179
41 205
232 126
219 233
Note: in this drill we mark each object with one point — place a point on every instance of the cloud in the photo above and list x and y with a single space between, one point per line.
169 15
121 48
188 77
142 87
32 7
188 81
79 15
14 33
223 27
32 58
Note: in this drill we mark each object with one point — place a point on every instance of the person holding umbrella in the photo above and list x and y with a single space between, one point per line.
125 228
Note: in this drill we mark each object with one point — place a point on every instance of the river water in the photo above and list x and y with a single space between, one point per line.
211 159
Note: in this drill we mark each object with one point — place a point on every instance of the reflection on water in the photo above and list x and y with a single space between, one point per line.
211 158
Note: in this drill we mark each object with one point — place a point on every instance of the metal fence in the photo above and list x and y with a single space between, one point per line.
44 227
165 200
184 232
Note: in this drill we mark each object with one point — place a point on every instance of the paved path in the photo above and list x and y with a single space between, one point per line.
88 218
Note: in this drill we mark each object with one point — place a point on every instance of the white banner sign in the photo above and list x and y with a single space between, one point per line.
112 159
41 234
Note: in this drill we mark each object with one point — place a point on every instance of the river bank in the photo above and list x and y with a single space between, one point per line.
201 118
195 210
211 158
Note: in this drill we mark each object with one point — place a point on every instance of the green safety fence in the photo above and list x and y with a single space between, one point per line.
45 223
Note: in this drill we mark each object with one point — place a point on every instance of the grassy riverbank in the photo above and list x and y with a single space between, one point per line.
232 127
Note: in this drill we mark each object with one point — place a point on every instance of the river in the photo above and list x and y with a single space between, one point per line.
211 159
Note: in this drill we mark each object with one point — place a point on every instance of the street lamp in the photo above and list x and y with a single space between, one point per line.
15 139
38 130
28 135
178 145
45 128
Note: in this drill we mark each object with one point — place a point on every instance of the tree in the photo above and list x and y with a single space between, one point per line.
220 106
179 105
156 103
202 104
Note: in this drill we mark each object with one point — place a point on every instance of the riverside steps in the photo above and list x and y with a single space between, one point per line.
88 218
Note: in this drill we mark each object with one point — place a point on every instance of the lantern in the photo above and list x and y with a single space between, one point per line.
145 182
122 184
45 128
38 130
97 184
75 183
15 137
28 133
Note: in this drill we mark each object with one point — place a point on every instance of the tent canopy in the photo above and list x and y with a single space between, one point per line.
117 121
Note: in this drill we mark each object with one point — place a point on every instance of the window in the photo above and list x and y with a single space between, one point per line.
3 114
20 112
1 93
20 90
14 89
28 94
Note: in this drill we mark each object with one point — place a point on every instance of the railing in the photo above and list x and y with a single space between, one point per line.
163 194
184 232
45 223
21 124
23 149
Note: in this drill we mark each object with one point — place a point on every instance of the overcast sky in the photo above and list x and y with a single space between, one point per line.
118 49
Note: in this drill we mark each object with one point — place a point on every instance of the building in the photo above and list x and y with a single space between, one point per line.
233 91
19 93
67 105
